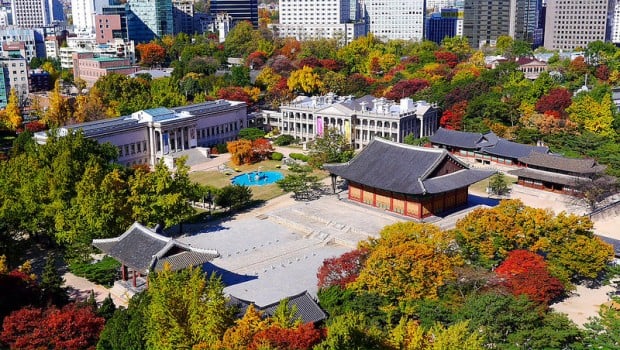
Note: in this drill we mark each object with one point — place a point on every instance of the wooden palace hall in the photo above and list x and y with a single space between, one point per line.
141 250
416 182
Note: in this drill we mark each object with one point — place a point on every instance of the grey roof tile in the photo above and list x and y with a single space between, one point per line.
307 308
572 165
455 138
402 168
509 149
548 176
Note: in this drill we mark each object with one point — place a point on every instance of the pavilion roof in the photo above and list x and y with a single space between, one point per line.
405 169
509 149
307 308
144 250
461 139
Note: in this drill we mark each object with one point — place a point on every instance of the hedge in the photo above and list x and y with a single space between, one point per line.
299 156
103 272
277 156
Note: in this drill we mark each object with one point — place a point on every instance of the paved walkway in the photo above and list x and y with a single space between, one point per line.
80 288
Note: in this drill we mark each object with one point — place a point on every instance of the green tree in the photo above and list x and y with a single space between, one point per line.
107 308
300 182
498 184
186 310
233 196
241 40
161 196
351 332
603 331
251 134
332 147
51 283
127 327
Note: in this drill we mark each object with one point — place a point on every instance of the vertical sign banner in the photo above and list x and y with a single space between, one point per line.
166 141
319 126
192 137
347 131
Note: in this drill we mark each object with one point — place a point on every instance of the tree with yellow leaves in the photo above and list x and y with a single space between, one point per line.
12 116
242 333
592 115
58 112
409 261
304 80
240 151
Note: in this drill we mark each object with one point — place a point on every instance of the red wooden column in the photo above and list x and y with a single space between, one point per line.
124 272
134 278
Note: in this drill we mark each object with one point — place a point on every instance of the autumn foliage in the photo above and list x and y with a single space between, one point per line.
406 88
72 327
151 54
342 270
248 152
557 100
526 273
302 337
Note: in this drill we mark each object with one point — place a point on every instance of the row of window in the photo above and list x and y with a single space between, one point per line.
219 129
132 148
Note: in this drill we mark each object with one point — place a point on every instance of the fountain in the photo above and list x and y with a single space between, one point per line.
257 178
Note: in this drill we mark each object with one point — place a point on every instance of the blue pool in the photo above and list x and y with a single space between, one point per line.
257 178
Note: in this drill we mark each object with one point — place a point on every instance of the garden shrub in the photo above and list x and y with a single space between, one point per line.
299 156
284 140
277 156
103 272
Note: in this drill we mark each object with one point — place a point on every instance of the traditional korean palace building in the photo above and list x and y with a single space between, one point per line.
556 173
146 136
141 250
417 182
484 148
360 120
306 307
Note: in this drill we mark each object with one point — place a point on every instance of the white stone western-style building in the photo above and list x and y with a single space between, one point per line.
147 136
360 120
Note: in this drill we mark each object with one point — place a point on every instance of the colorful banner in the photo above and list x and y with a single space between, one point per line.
319 126
347 131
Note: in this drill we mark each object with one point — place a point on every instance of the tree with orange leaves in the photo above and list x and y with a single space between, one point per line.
151 54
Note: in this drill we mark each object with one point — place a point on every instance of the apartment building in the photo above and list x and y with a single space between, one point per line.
571 24
395 19
316 19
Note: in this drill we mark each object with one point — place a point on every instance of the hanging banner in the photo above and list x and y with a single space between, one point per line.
347 131
192 138
319 126
166 138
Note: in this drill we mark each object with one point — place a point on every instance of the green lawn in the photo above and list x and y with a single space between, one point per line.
220 179
482 185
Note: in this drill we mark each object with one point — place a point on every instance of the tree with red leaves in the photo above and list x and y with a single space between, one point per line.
558 99
235 93
406 88
261 149
446 57
256 59
331 64
524 272
311 62
341 270
72 327
602 72
450 121
303 337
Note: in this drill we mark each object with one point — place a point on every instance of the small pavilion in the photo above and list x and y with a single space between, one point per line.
141 250
417 182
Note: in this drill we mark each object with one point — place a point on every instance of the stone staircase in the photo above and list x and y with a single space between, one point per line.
315 225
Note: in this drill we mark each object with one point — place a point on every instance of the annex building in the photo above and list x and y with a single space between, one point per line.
417 182
359 120
147 136
483 148
555 173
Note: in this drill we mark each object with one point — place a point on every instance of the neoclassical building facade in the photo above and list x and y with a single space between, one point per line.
359 120
147 136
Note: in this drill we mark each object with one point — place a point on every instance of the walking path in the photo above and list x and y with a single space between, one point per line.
80 289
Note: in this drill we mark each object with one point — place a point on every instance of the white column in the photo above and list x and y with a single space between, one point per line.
182 139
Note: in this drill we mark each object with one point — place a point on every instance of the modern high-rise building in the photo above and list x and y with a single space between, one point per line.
313 19
149 19
4 90
239 10
485 20
615 32
120 10
183 16
571 24
440 25
30 13
83 15
395 19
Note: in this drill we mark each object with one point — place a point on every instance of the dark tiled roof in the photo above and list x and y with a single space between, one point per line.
142 249
307 308
401 168
548 176
549 161
509 149
456 180
460 139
